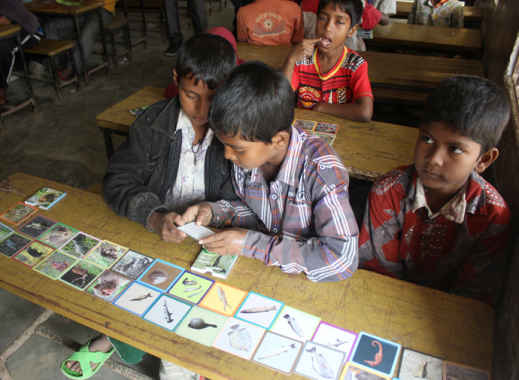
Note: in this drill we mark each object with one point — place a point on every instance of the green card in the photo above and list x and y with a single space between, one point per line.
201 325
55 264
191 287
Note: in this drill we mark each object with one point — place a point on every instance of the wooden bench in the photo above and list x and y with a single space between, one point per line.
472 15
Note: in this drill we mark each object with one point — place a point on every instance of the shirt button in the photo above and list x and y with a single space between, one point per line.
274 196
275 230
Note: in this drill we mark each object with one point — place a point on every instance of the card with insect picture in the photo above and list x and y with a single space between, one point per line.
137 298
455 371
81 274
58 235
55 264
223 299
239 338
45 198
36 226
278 352
132 264
295 324
416 365
33 253
326 127
105 254
13 243
352 372
329 138
201 326
191 287
80 245
5 231
167 312
259 309
376 354
335 337
18 214
306 125
160 275
319 362
109 285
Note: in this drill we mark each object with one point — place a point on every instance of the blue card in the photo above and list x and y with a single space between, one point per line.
259 310
160 275
376 354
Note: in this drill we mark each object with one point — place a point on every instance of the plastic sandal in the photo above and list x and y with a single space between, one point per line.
85 357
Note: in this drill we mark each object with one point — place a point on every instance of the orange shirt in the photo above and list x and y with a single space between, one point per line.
110 6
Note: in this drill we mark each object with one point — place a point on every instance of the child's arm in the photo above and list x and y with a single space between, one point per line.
360 110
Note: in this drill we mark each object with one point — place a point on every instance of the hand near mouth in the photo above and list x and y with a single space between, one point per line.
305 48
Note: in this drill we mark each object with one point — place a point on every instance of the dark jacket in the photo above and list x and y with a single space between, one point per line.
146 165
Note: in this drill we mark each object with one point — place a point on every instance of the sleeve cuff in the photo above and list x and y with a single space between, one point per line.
254 247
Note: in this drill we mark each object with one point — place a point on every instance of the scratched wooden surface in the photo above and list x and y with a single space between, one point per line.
52 8
430 321
9 30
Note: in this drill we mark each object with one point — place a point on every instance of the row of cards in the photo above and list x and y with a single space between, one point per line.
246 324
326 131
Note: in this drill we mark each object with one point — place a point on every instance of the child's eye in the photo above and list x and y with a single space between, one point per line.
426 139
456 150
321 18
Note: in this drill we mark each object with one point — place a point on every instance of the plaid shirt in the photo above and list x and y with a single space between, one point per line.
302 220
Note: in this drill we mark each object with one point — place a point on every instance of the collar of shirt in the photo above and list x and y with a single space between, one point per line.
184 124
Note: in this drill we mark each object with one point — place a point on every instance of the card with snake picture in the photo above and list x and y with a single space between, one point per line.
376 354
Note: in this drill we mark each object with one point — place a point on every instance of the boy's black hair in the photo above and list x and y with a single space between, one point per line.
207 57
255 102
353 8
472 106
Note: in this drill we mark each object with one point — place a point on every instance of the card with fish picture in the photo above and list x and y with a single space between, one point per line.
329 138
5 231
259 309
167 312
191 287
137 298
319 362
58 235
376 354
217 265
307 125
105 254
33 253
55 264
109 285
335 337
416 365
223 299
132 264
18 214
352 372
81 274
278 352
326 127
45 198
13 243
80 245
36 226
456 371
239 338
160 275
201 326
295 324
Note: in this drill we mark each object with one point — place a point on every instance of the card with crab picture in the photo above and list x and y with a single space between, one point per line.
376 354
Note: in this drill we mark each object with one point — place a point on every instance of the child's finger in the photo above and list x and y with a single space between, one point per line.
190 214
219 236
204 216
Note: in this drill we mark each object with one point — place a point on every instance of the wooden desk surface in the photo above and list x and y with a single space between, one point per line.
51 7
9 30
423 319
472 14
363 147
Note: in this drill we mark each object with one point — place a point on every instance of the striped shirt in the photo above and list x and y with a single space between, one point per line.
302 220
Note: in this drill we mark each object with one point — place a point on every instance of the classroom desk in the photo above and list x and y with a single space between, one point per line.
447 326
363 147
470 14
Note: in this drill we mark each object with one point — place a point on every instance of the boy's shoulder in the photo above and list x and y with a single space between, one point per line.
353 60
395 183
158 115
483 198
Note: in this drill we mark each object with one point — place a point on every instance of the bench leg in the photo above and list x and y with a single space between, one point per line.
53 70
128 41
109 147
71 56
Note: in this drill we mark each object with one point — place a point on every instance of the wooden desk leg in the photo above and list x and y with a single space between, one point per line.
109 146
80 47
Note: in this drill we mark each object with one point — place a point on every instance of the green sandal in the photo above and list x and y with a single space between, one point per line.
84 357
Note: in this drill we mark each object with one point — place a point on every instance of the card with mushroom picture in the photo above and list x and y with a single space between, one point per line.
278 352
191 287
223 299
201 325
239 338
295 324
167 312
259 309
160 275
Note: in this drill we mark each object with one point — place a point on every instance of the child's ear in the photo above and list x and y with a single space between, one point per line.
352 30
175 76
281 139
486 159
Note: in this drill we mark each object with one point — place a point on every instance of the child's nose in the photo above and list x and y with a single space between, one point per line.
436 157
228 154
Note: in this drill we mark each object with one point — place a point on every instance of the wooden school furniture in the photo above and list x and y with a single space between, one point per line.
367 149
470 14
447 326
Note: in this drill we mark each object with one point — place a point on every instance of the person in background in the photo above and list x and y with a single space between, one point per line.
197 11
448 13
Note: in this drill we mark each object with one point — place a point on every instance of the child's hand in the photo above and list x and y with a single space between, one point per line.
166 226
228 242
201 214
304 49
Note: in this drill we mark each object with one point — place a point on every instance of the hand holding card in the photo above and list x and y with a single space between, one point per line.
166 226
195 231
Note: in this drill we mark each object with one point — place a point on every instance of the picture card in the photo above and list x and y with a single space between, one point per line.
160 275
5 231
81 274
105 254
80 245
36 226
259 309
352 372
201 326
195 231
307 125
45 198
335 337
167 312
319 362
213 263
415 365
295 324
223 299
17 214
278 352
55 264
191 287
109 285
13 243
58 235
375 353
326 127
239 338
454 371
137 298
329 138
33 253
132 264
